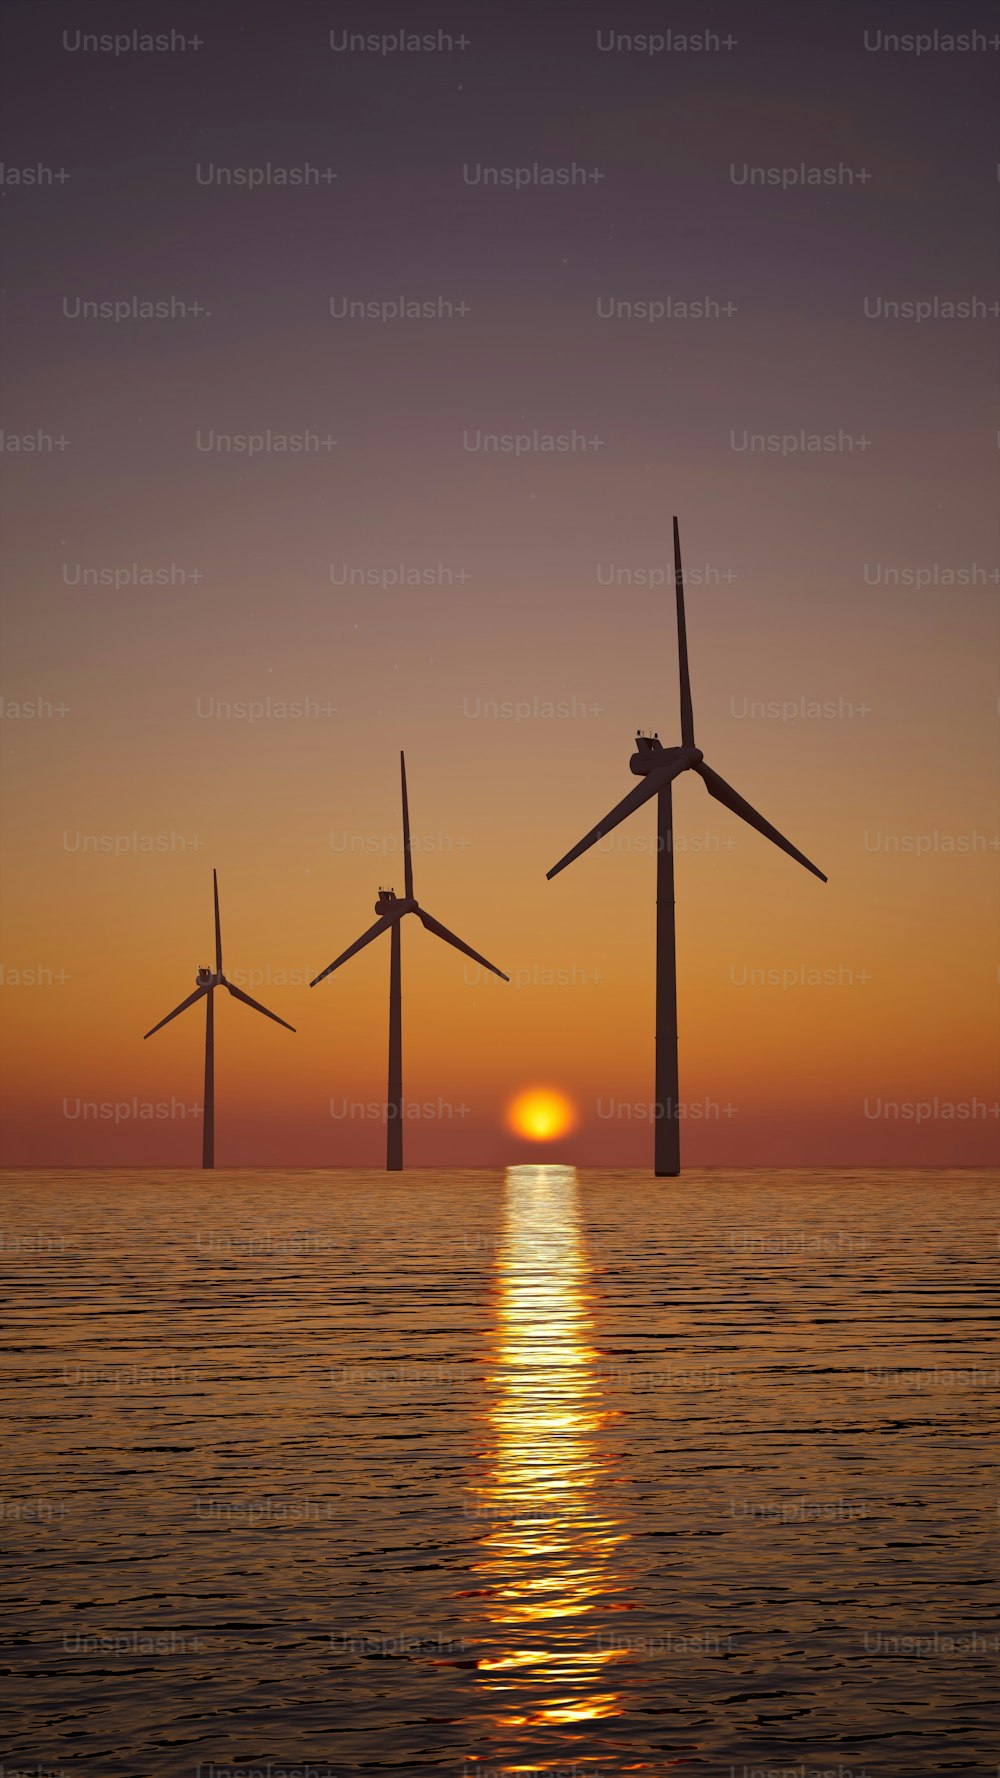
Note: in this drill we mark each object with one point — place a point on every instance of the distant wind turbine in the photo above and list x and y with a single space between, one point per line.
207 984
391 911
658 766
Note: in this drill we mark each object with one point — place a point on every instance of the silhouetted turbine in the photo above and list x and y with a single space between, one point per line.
207 984
391 911
658 766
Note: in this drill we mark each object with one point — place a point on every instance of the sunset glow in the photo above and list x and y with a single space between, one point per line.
541 1114
216 647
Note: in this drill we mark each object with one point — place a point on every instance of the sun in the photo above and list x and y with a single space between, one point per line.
541 1114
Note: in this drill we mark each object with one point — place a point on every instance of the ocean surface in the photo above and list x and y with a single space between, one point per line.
482 1473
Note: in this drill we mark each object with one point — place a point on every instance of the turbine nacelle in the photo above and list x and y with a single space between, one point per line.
206 978
651 754
392 906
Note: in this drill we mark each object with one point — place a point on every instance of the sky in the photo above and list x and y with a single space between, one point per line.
722 272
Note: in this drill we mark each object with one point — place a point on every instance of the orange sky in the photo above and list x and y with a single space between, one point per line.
535 587
301 817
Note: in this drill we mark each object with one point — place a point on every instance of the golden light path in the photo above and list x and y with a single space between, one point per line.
549 1544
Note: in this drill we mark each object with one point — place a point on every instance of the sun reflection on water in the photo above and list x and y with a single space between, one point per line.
547 1554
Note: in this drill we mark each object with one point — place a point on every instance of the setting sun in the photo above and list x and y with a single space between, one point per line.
541 1114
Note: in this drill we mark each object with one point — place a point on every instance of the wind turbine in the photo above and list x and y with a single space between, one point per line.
658 766
207 984
391 910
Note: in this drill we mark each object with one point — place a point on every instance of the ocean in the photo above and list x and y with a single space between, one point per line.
484 1473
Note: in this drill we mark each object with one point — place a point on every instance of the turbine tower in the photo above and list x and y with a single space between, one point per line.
391 910
207 984
658 766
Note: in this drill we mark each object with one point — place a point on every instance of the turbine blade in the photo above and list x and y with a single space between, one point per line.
197 995
653 782
238 994
358 945
450 939
407 860
218 926
687 715
724 793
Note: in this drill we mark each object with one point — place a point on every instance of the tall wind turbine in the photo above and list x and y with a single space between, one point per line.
207 984
658 766
391 910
